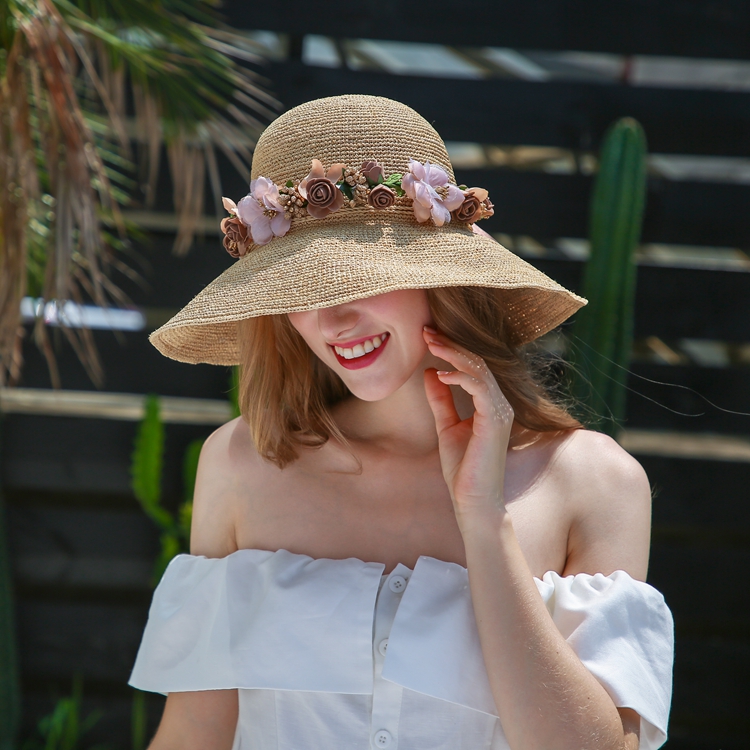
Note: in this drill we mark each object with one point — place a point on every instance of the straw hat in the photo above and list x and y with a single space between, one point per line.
358 251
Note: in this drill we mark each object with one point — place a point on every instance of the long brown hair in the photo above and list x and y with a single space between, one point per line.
286 392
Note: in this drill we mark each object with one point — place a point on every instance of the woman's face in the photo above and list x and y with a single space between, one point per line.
375 345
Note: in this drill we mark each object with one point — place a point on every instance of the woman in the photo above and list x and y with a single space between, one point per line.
403 542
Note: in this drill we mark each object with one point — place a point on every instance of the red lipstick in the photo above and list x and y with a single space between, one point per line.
359 362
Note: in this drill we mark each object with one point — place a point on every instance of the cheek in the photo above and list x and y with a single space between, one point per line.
303 323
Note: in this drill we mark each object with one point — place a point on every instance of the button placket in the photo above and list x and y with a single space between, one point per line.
386 696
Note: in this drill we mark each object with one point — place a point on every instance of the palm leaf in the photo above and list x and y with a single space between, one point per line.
64 136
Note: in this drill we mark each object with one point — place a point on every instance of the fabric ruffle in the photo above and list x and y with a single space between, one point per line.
283 621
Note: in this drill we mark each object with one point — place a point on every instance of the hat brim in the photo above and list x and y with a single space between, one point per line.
336 260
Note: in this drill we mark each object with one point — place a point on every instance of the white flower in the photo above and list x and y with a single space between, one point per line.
262 212
420 186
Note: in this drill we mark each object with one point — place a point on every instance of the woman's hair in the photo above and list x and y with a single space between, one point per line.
286 392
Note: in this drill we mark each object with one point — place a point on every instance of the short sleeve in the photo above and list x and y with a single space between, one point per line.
258 619
622 631
620 628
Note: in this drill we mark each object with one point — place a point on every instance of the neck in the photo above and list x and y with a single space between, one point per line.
403 422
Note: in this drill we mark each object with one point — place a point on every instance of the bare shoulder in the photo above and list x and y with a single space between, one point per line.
228 470
610 500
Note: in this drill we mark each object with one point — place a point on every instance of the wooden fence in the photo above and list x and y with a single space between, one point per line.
82 549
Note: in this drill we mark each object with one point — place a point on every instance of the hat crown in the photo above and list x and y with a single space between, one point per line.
348 129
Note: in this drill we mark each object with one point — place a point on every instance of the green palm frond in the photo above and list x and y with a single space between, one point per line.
68 68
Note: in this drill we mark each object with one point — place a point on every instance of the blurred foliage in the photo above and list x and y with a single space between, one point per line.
138 720
81 81
234 391
64 728
146 481
602 337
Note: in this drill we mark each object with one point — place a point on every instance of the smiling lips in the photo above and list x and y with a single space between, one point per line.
361 354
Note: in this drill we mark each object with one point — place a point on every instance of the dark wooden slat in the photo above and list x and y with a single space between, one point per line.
61 547
660 27
675 303
696 586
709 699
728 388
561 114
61 639
547 206
72 454
132 364
698 494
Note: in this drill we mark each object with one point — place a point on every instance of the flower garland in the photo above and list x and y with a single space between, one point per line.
267 210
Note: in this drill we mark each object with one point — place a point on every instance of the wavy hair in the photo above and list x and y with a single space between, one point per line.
286 392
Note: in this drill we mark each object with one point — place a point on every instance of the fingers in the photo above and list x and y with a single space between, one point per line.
462 359
440 398
473 375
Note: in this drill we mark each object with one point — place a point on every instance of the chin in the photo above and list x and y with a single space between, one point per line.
374 391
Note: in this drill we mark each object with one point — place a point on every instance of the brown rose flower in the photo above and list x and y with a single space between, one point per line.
372 171
381 196
489 208
320 191
237 237
471 209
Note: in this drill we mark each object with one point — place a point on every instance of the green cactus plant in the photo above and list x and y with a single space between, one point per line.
146 478
603 331
146 472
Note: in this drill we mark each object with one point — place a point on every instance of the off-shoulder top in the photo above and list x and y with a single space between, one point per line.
333 655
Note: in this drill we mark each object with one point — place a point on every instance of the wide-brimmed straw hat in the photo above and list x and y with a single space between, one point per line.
355 247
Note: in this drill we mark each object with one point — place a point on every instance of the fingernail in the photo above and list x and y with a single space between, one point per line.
429 330
443 372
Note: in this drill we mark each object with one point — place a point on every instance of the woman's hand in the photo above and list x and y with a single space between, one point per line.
472 451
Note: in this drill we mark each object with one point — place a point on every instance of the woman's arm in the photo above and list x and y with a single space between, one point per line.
545 697
207 719
204 720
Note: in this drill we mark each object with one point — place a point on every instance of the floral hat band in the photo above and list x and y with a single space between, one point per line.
268 209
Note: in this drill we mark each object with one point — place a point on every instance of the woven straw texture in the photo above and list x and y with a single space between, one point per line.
356 252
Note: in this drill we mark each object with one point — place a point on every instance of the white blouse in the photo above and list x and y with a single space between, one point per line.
333 655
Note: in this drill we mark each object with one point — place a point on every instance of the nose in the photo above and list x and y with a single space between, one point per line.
334 322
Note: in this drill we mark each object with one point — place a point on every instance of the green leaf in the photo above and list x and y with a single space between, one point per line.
234 388
394 182
346 189
171 546
290 183
184 521
139 719
190 468
147 461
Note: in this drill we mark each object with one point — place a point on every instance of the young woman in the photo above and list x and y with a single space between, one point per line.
403 542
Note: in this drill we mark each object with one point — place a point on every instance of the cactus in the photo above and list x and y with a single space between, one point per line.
603 331
146 472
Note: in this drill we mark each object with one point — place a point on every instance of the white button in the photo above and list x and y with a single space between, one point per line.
382 738
383 646
397 584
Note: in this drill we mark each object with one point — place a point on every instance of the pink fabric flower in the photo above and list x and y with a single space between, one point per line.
262 212
372 171
420 183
